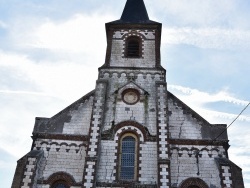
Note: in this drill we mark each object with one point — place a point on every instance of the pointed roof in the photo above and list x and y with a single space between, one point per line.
134 12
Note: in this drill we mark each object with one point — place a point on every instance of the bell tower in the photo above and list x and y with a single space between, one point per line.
133 40
130 106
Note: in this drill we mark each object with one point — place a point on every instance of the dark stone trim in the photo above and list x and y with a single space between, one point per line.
158 47
143 129
109 33
60 137
125 184
193 182
19 173
198 142
133 68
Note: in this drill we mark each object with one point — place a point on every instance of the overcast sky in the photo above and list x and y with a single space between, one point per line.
50 51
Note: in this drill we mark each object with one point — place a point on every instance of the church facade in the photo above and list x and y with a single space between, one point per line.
130 131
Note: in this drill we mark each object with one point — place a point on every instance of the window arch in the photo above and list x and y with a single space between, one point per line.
128 157
193 183
133 47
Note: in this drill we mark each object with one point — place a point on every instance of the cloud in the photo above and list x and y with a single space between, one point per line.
3 25
77 34
46 77
199 99
208 37
203 97
199 13
23 92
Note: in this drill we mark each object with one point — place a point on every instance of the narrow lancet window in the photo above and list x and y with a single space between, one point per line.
128 158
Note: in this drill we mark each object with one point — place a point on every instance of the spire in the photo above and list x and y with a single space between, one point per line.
134 12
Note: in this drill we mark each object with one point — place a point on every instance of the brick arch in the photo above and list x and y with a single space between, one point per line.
196 182
61 177
133 33
130 126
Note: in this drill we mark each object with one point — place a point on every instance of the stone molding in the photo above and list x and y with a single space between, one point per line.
193 182
60 176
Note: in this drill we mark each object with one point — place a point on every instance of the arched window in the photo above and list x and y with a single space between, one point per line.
60 184
133 47
128 158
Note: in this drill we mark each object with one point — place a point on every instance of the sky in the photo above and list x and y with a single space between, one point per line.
50 51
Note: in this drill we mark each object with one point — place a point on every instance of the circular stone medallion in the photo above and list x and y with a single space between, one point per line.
130 96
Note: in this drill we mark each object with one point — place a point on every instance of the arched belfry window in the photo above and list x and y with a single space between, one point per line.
133 47
128 157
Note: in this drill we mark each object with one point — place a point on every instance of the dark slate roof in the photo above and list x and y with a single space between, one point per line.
134 12
55 124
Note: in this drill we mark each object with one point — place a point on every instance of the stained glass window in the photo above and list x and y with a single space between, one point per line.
127 169
59 185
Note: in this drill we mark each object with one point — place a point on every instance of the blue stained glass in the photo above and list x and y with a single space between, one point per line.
59 185
128 158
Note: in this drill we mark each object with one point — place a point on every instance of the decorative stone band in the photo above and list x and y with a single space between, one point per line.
96 122
129 128
162 129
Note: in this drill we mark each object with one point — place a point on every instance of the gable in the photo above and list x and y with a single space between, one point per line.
75 119
185 123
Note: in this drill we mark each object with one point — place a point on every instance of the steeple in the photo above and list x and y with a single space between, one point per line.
133 40
134 12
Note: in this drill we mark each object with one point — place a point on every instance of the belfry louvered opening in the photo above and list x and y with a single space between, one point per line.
133 47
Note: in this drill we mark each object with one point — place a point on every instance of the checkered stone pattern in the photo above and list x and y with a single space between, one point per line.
164 175
163 152
29 173
96 122
129 128
226 177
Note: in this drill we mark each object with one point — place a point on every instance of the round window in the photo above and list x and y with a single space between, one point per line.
130 96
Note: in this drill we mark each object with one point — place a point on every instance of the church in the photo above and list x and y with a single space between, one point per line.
130 131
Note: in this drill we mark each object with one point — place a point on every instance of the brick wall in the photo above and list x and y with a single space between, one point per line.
80 119
59 154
